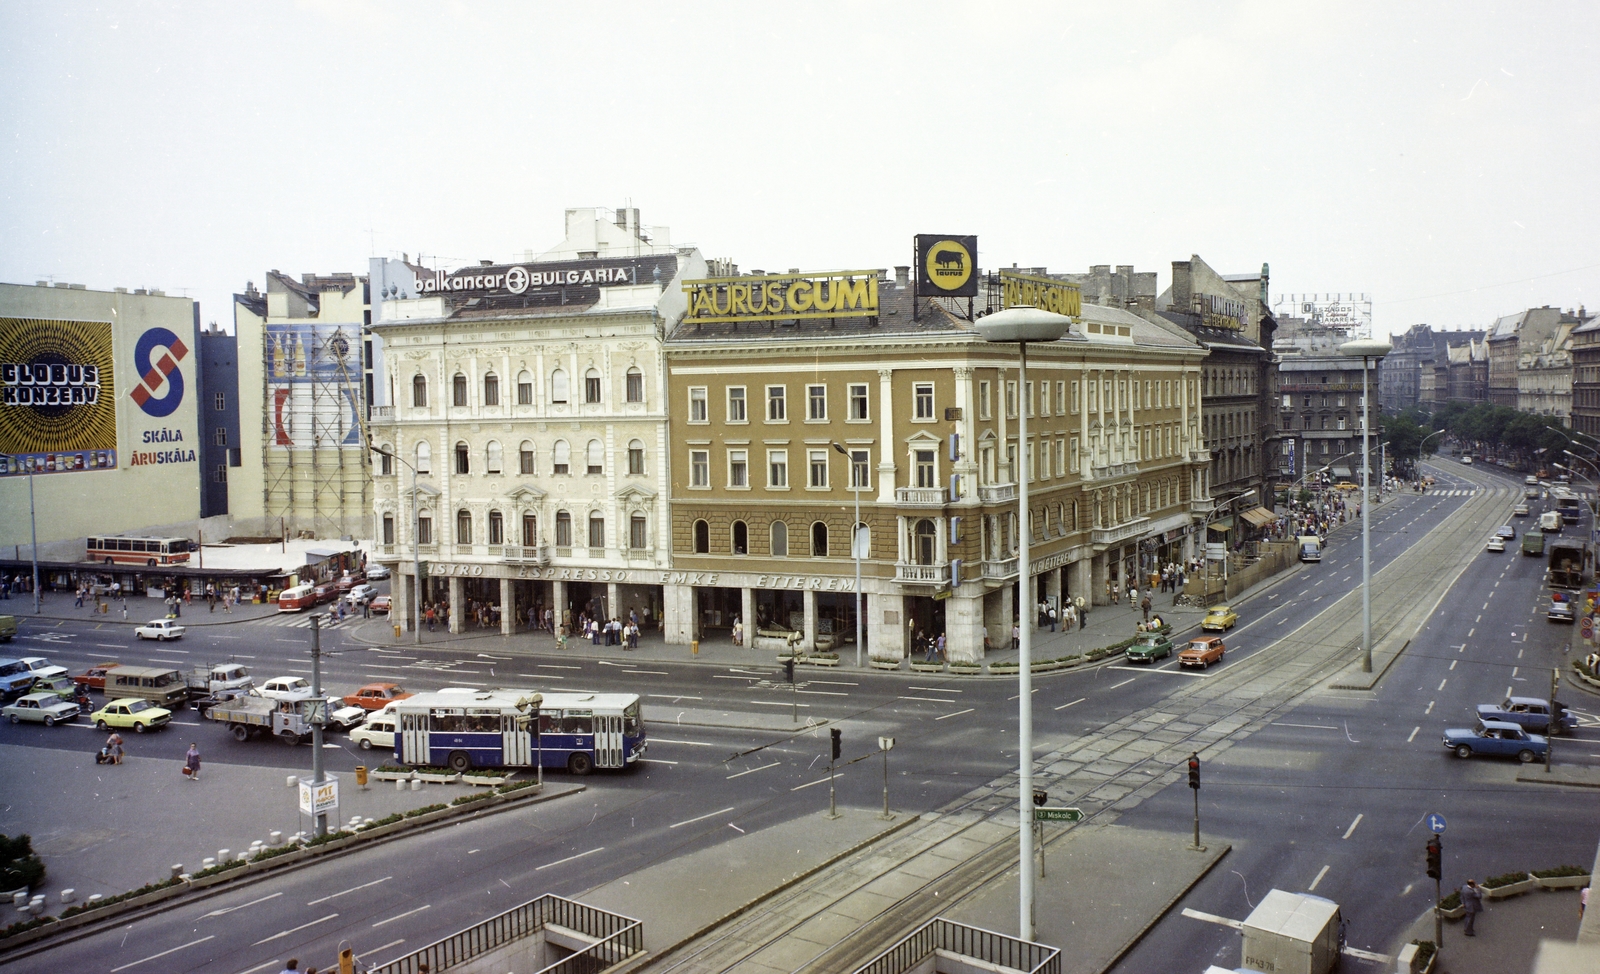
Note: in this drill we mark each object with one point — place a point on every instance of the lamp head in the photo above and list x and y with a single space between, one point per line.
841 449
1366 348
1022 325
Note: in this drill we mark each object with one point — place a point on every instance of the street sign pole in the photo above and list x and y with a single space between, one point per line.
1550 729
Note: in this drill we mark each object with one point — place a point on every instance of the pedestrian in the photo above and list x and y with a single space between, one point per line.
79 603
941 645
1472 902
1016 637
1145 605
114 748
1583 902
1133 596
124 611
191 762
738 631
292 967
366 609
1083 611
430 618
1052 615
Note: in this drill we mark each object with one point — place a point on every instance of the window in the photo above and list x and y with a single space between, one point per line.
635 457
458 387
635 386
561 458
419 390
525 458
530 530
591 386
222 402
563 529
463 464
1011 400
778 469
597 531
524 389
491 390
740 538
463 527
424 457
859 412
1072 455
1061 398
558 386
424 528
983 399
220 436
697 405
922 461
699 468
777 409
736 405
817 468
1027 395
860 477
493 457
819 540
780 539
637 537
922 400
597 457
388 529
702 538
220 474
738 468
816 403
925 542
386 460
497 528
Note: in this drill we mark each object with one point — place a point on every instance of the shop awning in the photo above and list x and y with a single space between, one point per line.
1258 517
1223 525
1342 472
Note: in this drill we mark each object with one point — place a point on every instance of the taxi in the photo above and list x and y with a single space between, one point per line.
1219 618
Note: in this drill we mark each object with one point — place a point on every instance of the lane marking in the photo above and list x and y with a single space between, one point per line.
1312 888
217 913
285 933
719 676
1279 723
929 699
555 666
1066 705
822 693
350 890
840 683
1453 663
956 714
933 689
667 740
1429 710
1413 735
1471 631
786 703
702 818
401 916
570 858
1352 828
392 943
764 767
1442 683
656 761
671 696
651 672
1123 683
836 774
164 953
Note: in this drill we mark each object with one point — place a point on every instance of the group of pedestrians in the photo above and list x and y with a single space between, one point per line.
112 752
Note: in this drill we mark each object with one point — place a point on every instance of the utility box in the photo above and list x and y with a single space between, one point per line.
1292 933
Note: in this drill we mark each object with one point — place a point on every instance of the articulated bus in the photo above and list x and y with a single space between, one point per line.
297 598
494 729
139 551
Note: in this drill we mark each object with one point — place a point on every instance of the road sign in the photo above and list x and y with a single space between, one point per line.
1587 629
1436 823
1057 814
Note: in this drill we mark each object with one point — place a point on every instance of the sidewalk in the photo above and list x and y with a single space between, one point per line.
57 606
1507 935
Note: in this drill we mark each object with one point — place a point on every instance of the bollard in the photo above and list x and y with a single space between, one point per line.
399 784
224 855
397 632
19 900
177 869
694 647
274 838
293 780
36 905
207 863
95 898
416 785
68 895
355 821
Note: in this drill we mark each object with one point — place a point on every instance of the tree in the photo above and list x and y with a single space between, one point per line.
19 866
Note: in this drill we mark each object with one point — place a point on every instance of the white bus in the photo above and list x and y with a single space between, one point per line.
495 729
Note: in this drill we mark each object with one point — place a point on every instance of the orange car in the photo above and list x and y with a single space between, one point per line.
376 696
94 678
1202 652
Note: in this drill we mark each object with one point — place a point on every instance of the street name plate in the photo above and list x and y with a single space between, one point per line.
1057 814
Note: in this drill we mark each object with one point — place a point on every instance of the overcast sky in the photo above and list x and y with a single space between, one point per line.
1441 157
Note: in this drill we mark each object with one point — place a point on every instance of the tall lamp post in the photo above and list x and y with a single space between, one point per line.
1367 349
416 545
855 543
33 527
1019 326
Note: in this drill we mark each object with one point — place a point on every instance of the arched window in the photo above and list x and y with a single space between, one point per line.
819 540
563 529
597 531
493 457
558 386
863 540
638 532
463 461
596 457
524 388
561 457
419 390
463 527
497 528
591 386
740 536
635 384
424 457
702 538
525 458
388 529
491 390
458 390
385 461
424 527
780 539
635 456
924 542
530 530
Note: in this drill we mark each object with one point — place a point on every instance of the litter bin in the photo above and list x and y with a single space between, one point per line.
397 630
361 775
694 647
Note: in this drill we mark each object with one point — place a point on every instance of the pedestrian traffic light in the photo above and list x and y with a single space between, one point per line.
788 669
837 737
1434 869
1194 771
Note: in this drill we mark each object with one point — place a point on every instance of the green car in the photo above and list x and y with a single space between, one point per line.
1148 647
61 686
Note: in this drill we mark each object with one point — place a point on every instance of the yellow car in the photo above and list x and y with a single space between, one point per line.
141 715
1346 485
1220 617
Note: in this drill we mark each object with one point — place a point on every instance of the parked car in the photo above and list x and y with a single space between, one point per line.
61 686
377 732
1346 485
376 696
8 628
41 667
1219 618
1532 714
1496 543
1202 652
161 629
1467 461
285 688
377 573
134 712
1497 738
1148 647
361 593
1559 612
94 678
1521 510
46 708
382 603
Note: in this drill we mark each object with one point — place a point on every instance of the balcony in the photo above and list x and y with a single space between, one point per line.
1120 533
920 496
383 412
526 555
909 574
1000 569
997 493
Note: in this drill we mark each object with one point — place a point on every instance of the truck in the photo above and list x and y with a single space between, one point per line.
246 717
1310 547
1550 522
218 681
1533 543
1569 561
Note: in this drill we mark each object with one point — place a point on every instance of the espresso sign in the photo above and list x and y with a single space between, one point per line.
842 294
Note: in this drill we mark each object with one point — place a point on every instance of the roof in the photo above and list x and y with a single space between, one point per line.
1297 916
1221 338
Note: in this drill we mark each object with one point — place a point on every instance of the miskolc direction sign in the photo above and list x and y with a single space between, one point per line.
1057 814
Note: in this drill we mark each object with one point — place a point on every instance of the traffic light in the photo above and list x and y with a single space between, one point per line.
837 737
1434 869
1040 796
1194 771
788 669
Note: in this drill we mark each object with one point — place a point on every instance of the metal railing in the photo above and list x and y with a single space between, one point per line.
618 937
974 942
533 554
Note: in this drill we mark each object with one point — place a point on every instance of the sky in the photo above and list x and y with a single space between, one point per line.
1439 157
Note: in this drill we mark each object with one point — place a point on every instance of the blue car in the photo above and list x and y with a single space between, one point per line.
1498 738
1532 714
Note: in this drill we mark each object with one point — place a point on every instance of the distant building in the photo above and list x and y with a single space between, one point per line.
1417 372
1586 375
1511 337
1544 373
218 411
1467 375
1320 406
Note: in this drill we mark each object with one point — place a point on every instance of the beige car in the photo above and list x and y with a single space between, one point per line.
377 732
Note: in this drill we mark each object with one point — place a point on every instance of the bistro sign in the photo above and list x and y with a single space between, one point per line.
774 297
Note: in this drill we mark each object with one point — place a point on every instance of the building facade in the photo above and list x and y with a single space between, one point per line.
1320 401
1586 377
218 415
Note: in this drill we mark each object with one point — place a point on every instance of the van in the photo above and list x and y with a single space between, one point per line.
162 686
1550 522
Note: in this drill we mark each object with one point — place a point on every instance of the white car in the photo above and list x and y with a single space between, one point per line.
1496 543
285 688
42 668
377 573
361 593
341 717
378 732
162 629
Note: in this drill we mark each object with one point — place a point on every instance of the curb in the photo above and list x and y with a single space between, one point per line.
1160 914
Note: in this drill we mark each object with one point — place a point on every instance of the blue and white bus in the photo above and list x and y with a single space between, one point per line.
494 729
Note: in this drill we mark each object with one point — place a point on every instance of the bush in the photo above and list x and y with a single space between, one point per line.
22 926
147 888
19 866
1425 950
511 786
1559 871
392 769
424 810
485 773
476 797
273 853
1451 902
1505 879
386 820
219 867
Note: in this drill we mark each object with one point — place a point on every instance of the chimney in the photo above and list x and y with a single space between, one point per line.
902 275
1182 287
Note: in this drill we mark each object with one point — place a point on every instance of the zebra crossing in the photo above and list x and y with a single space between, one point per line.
302 620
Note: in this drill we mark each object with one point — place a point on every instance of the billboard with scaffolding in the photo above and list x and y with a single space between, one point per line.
314 372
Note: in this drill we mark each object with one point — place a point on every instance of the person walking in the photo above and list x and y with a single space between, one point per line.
429 615
1472 902
939 650
79 604
1083 611
191 762
1016 637
1051 612
1145 605
1133 596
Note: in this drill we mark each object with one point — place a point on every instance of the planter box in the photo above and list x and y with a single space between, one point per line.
484 780
884 664
1515 889
819 661
438 779
973 670
390 775
1009 669
1562 882
926 667
1454 914
1046 666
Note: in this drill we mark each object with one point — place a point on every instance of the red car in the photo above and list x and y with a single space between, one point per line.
381 603
326 592
94 678
348 582
376 696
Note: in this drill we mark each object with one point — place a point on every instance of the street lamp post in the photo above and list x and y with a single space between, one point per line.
1020 326
33 528
855 543
416 545
1367 349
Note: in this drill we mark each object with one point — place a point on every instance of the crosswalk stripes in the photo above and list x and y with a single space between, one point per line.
299 621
